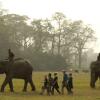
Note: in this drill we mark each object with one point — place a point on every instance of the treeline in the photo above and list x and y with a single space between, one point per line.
53 43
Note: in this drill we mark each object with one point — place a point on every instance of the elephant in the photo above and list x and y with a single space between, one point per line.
18 69
95 73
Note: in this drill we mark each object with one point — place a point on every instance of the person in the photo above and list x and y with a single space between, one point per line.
50 83
98 57
65 82
70 83
10 55
55 84
45 86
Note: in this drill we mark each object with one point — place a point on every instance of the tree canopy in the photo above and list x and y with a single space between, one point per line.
48 43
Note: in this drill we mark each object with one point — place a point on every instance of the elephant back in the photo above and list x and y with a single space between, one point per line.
21 66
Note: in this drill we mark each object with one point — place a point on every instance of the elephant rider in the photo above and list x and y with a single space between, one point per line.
10 55
98 57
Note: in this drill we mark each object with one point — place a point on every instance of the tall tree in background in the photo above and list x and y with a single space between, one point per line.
59 18
41 30
67 40
4 35
82 35
17 29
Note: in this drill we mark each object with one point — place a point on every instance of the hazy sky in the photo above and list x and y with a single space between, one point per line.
86 10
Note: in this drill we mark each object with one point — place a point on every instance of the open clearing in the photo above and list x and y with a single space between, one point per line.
82 90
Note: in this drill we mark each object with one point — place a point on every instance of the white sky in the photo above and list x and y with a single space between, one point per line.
86 10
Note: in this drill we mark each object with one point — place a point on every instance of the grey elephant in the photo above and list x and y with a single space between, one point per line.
95 73
18 69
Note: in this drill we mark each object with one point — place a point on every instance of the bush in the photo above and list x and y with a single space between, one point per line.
44 61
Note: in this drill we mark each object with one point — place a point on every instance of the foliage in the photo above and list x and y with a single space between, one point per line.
45 61
61 39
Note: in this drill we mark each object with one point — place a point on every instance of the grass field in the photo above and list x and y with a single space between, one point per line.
82 90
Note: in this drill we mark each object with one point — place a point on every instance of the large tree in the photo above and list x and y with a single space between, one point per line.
82 34
41 30
18 29
59 18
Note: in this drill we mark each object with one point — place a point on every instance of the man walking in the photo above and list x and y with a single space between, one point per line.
55 84
65 82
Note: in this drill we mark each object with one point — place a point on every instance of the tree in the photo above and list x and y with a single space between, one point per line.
67 44
82 35
18 29
41 30
59 18
4 35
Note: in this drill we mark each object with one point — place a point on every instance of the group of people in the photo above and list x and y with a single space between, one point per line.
51 84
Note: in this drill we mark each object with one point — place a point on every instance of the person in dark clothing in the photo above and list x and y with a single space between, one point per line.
70 83
98 57
50 83
45 86
55 84
65 82
10 55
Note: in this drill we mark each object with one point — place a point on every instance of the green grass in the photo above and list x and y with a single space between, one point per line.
82 90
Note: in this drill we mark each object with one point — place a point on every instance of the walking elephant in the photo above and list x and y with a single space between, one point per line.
18 69
95 73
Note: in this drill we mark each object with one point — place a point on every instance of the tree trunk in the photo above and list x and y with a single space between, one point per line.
75 60
59 43
53 41
80 58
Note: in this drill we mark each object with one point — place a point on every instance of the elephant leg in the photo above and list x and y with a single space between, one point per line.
11 85
4 84
96 78
32 84
25 85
